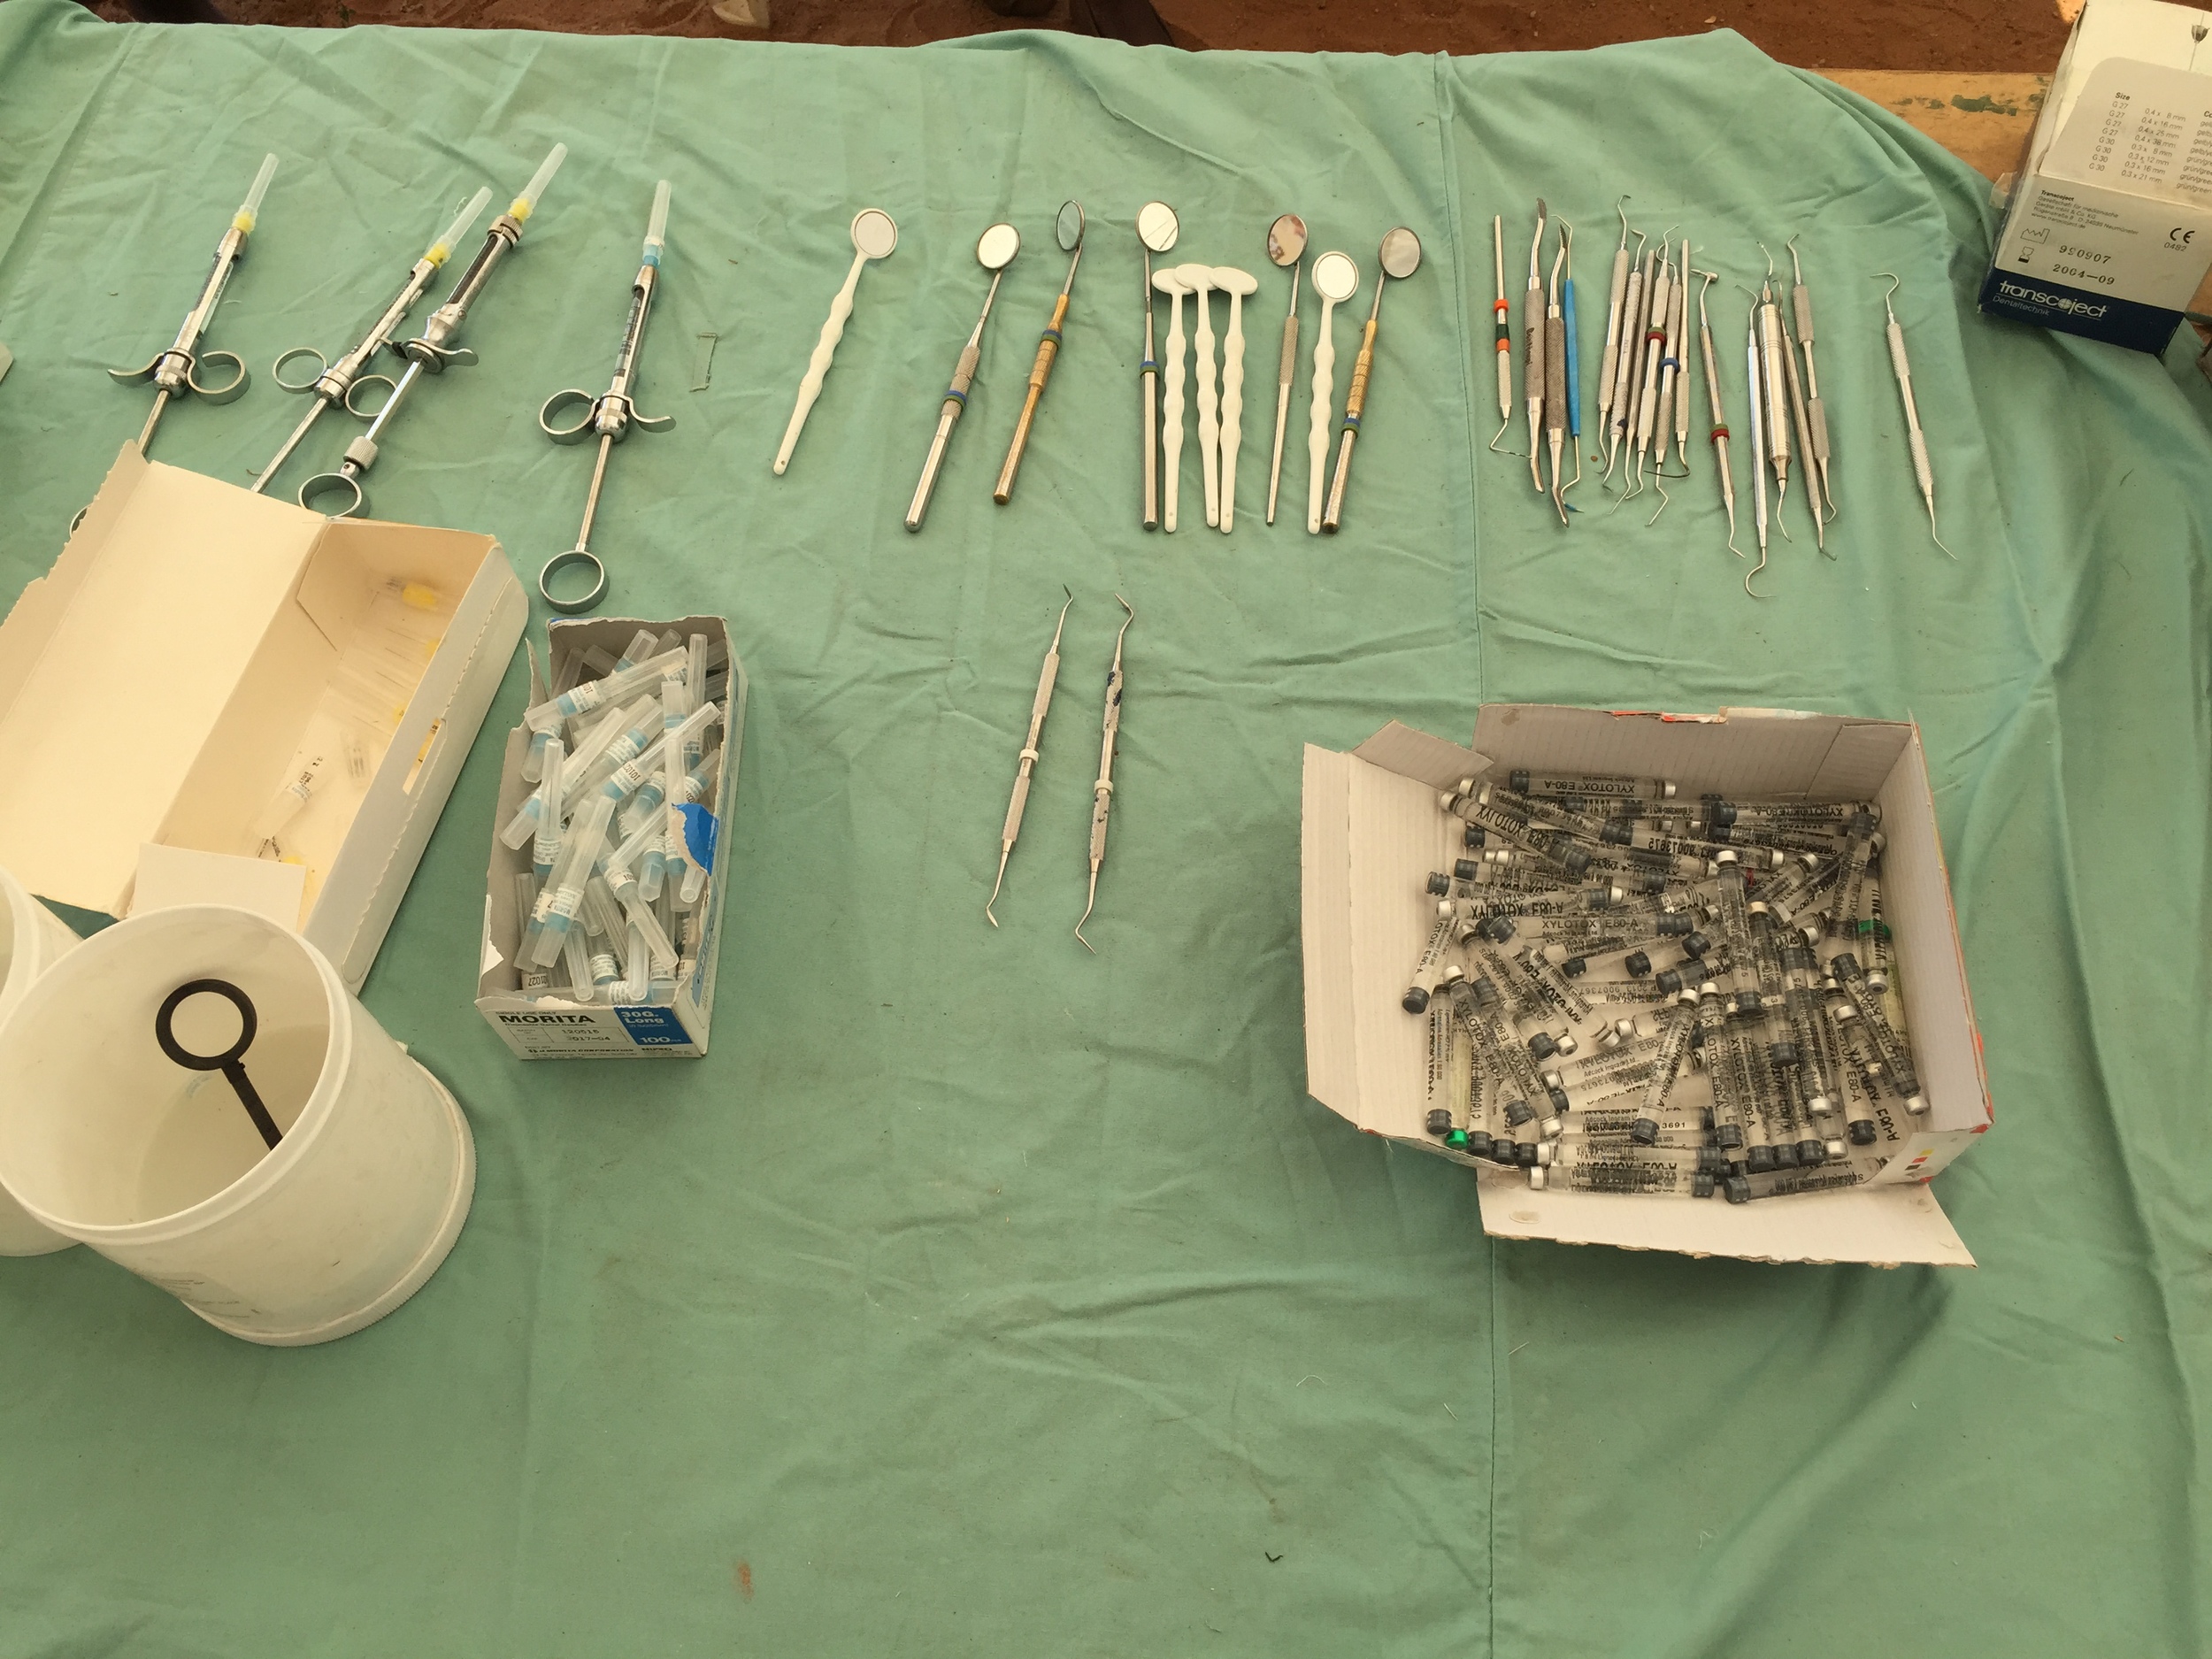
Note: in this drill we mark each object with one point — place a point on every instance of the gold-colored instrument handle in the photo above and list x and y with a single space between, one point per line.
1048 349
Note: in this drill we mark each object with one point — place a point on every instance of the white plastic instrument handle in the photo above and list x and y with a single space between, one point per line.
1171 414
1317 432
250 209
526 204
656 226
1232 406
818 365
1208 405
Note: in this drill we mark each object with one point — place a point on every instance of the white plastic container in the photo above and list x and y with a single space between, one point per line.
108 1140
32 940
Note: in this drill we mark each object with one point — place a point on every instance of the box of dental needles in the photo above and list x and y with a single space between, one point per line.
215 695
2107 230
1668 982
602 911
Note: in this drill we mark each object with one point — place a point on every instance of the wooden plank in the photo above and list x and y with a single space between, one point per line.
1984 121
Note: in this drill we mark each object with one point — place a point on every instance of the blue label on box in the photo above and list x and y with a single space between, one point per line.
701 831
2072 311
653 1027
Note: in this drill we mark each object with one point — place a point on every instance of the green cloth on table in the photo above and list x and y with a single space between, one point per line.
978 1295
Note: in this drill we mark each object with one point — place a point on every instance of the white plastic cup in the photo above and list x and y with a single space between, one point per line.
106 1139
32 940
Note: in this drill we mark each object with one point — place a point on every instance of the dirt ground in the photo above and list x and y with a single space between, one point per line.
1943 35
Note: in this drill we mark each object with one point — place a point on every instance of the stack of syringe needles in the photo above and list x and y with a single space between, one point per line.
1626 993
618 888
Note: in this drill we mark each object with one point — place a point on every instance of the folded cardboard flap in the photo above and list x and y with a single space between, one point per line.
124 660
177 875
2107 227
204 646
1372 832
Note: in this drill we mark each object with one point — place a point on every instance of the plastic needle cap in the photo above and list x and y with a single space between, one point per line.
438 250
249 213
526 204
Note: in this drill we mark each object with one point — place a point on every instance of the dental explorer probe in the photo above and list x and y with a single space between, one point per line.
1068 231
609 417
1774 390
1673 380
1554 374
1712 400
1505 338
1102 792
432 349
1802 303
1681 346
993 252
1047 677
1654 348
1921 471
1574 356
1810 473
1610 360
176 371
1625 367
335 383
1533 351
1752 377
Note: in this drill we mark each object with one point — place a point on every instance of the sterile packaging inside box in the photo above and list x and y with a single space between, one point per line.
553 1026
1372 832
240 692
2107 231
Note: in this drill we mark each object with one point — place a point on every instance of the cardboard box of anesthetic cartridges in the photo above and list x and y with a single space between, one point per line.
217 695
1372 832
2108 230
553 1025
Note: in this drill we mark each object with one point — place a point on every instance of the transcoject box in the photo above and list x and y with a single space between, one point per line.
2108 230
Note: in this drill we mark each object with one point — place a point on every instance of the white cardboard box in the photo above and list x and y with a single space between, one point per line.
2107 230
1372 832
176 668
550 1029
